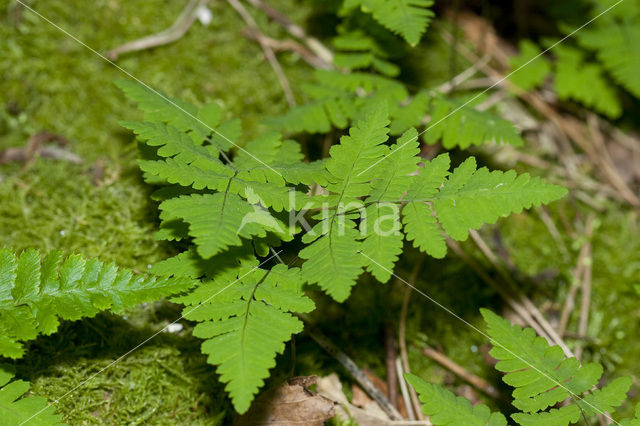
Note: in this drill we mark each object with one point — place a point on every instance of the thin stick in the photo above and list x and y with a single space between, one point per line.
171 34
585 289
268 52
404 355
458 370
288 45
324 54
360 377
390 350
517 307
526 302
408 403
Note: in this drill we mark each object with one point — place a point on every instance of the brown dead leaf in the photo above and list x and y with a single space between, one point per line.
291 403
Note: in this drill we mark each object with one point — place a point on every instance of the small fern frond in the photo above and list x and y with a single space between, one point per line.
357 50
543 377
584 82
245 317
408 18
530 72
457 123
444 408
17 409
35 294
616 40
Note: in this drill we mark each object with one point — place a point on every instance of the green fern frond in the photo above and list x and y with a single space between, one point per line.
444 408
357 50
245 317
632 422
333 259
408 18
17 409
615 40
584 82
470 197
457 123
543 377
36 294
530 72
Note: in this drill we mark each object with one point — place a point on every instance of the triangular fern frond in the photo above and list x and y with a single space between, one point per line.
35 294
17 409
543 377
444 408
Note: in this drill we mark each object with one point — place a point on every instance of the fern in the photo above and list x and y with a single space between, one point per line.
615 37
357 50
542 378
35 294
338 100
244 317
408 18
444 408
230 212
16 409
530 72
584 82
467 126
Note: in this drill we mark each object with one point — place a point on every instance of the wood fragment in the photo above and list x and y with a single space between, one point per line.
524 300
357 373
478 382
268 51
404 355
322 52
178 29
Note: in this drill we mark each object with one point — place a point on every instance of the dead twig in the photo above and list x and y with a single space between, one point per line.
390 350
517 306
35 147
359 375
287 46
478 382
325 56
526 302
178 29
585 288
268 51
402 341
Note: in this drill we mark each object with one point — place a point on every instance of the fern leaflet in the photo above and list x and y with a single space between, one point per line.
16 409
409 18
543 377
35 294
444 408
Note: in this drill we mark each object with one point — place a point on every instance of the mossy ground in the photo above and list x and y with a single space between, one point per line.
49 82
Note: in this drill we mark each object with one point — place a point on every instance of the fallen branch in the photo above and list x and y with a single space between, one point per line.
174 32
287 45
35 147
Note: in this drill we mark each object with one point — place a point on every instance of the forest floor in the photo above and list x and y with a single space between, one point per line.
100 208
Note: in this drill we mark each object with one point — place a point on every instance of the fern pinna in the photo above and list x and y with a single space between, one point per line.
17 409
35 293
234 203
542 378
